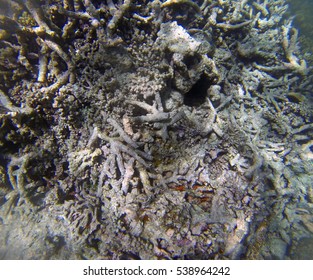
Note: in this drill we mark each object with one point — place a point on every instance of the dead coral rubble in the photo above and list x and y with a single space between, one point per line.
153 130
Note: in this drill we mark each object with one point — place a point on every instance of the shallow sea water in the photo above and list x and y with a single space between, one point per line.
302 10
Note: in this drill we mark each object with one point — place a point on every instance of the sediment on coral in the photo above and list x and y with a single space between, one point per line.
153 130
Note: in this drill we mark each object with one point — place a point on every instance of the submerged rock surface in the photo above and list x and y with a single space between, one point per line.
153 130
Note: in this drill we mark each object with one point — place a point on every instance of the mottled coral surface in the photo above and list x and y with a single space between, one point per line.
153 130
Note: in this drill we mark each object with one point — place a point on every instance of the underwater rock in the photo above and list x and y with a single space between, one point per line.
278 248
153 130
303 249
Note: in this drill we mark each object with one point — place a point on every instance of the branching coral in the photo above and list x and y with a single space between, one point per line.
142 130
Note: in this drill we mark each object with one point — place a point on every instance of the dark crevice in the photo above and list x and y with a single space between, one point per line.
197 94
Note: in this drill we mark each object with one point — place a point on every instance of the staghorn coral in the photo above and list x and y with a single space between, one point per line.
138 131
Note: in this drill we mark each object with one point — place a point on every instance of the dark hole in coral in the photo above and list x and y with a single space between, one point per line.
58 18
168 55
192 60
94 242
183 13
36 199
197 94
37 168
269 184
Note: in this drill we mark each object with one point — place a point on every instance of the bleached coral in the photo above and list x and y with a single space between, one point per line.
144 131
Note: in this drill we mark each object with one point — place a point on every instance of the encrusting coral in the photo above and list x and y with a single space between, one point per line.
153 130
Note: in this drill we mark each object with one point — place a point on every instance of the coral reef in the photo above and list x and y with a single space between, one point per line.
153 130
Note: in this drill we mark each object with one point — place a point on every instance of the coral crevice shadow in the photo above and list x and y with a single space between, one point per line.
198 93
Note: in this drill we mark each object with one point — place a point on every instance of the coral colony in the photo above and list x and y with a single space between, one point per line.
172 129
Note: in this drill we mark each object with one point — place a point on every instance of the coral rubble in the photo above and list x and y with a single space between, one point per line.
153 130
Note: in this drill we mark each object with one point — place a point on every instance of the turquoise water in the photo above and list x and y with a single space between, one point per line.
302 10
